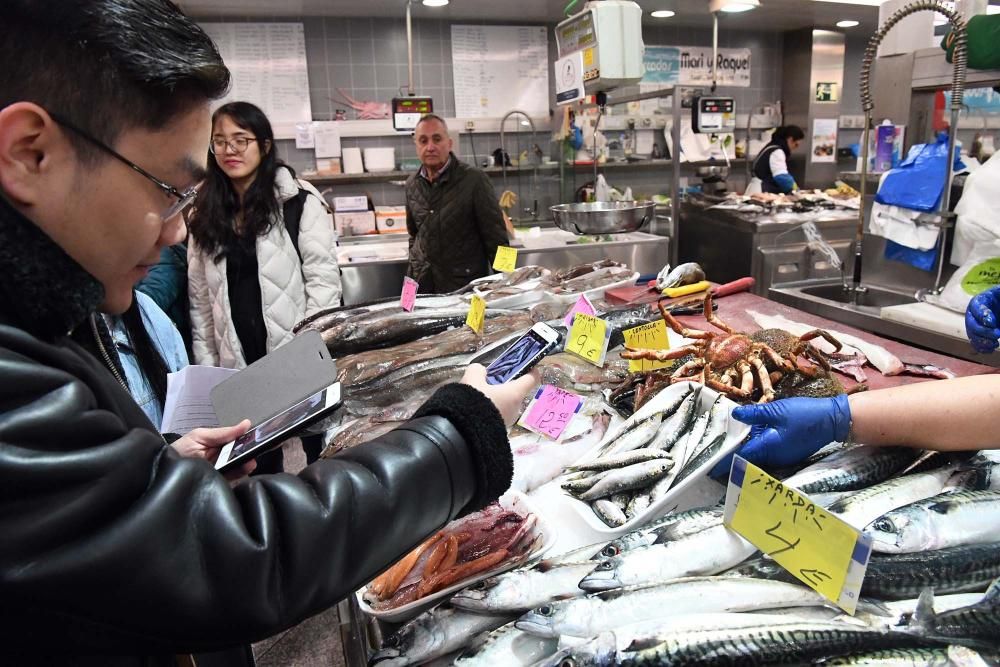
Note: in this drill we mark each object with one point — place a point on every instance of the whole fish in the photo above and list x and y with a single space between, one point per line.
945 520
506 646
701 458
852 469
635 435
636 476
671 527
901 657
391 328
682 274
620 460
413 381
861 508
433 634
977 474
639 503
521 590
707 552
976 625
570 372
679 422
609 512
593 614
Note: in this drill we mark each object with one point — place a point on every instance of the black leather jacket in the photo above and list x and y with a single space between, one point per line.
115 550
455 226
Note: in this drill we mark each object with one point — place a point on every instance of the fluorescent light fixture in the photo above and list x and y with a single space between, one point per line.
732 6
869 3
662 14
846 24
435 3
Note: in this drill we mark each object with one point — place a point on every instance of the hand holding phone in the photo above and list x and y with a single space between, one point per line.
523 353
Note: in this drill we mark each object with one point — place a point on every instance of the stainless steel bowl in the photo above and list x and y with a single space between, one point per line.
603 217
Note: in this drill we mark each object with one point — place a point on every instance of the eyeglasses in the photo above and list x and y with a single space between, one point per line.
184 199
238 144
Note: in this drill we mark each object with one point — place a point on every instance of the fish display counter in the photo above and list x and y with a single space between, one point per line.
373 267
610 546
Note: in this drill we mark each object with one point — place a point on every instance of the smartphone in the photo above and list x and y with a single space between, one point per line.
268 434
523 353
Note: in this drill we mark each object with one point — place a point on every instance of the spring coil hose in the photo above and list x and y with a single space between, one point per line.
959 56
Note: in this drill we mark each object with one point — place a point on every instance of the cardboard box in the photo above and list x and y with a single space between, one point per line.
390 219
357 203
354 223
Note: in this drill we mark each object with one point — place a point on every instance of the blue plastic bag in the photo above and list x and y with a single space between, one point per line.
918 182
922 259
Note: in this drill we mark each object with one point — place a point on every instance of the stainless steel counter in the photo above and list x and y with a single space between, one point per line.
370 279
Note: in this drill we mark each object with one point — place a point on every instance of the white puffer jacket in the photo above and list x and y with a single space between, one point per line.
290 289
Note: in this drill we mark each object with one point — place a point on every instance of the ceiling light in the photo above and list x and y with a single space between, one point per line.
733 6
662 14
846 24
435 3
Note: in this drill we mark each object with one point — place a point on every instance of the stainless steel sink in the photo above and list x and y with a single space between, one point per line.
872 297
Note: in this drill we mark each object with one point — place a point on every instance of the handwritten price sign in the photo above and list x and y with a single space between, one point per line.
409 295
589 338
506 259
477 311
822 551
551 411
582 305
652 336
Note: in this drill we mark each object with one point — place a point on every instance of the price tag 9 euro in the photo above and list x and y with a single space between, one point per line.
477 311
588 338
409 295
652 336
819 549
506 259
550 412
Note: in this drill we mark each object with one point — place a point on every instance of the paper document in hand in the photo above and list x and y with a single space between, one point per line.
188 405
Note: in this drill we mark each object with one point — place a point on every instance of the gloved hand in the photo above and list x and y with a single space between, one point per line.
981 320
787 431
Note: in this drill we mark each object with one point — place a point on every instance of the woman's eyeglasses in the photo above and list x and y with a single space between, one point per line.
237 144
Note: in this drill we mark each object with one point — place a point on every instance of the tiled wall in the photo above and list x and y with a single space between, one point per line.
367 58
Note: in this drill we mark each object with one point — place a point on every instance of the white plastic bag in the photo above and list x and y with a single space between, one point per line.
978 220
979 272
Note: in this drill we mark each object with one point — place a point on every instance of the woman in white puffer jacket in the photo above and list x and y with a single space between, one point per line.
247 284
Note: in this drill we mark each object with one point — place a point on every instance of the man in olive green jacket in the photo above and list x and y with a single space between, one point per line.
452 215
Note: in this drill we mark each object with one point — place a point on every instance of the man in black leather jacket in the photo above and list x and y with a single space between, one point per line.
115 549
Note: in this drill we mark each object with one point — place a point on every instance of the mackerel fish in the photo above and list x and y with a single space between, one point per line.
593 614
795 642
902 657
945 520
852 469
861 508
671 527
706 552
433 634
506 646
978 474
977 625
524 589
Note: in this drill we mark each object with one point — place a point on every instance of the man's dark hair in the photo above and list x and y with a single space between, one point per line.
212 223
432 116
107 65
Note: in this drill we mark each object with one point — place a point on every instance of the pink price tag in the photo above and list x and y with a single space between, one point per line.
409 296
551 411
582 305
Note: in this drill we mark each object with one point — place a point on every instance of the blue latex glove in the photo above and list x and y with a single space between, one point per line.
785 432
981 320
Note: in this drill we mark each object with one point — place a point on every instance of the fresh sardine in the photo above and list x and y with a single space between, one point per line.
609 512
636 476
621 460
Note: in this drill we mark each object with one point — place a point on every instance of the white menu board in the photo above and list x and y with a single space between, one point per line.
268 63
499 68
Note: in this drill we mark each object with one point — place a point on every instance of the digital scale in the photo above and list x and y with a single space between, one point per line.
407 112
599 48
713 115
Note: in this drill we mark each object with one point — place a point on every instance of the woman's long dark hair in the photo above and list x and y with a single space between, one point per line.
212 223
784 133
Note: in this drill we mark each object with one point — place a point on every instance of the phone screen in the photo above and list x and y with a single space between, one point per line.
518 357
267 429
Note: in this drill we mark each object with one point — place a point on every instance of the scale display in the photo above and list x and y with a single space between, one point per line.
713 114
407 112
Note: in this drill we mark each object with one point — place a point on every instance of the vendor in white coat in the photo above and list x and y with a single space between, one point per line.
770 168
247 284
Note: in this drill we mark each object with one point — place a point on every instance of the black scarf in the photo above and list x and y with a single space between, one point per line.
43 290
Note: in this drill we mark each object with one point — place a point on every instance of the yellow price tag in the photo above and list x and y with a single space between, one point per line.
506 259
477 311
588 57
588 338
818 548
652 336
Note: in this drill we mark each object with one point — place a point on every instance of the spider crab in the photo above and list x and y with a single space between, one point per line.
734 363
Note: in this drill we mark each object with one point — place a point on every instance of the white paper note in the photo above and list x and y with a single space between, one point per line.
304 137
327 138
188 405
